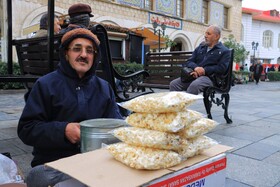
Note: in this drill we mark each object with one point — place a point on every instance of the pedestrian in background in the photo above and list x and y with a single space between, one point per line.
272 68
258 71
251 69
266 70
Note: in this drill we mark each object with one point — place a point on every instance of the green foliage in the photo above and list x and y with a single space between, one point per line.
127 68
273 75
240 53
169 42
243 73
241 77
4 71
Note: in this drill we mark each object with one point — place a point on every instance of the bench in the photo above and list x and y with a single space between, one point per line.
33 60
32 56
106 70
209 95
165 67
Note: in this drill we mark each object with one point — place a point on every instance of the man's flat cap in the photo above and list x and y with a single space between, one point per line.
78 9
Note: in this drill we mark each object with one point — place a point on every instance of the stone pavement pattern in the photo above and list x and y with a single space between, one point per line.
254 133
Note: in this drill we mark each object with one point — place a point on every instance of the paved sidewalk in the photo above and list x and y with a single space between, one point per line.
254 133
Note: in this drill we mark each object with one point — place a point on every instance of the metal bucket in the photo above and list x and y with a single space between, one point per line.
94 132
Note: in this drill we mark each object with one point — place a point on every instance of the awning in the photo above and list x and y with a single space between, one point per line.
150 38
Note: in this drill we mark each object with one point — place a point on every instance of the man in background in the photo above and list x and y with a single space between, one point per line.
209 60
258 71
251 69
44 26
80 15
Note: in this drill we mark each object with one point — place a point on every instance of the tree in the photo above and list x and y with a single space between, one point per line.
240 53
169 42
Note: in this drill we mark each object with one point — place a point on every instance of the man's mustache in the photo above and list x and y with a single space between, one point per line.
80 59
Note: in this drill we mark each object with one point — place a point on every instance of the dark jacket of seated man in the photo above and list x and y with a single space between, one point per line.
209 60
215 61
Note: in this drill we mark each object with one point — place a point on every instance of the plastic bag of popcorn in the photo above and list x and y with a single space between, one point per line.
161 102
144 158
165 122
147 138
192 147
198 128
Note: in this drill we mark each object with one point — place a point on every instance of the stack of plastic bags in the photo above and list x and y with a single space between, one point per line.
163 132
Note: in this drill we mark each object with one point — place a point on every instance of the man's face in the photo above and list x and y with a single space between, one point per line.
211 38
56 27
81 54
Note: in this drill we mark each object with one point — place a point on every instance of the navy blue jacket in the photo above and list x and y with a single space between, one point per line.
214 62
57 99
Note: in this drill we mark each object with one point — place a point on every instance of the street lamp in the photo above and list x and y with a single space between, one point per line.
254 47
159 31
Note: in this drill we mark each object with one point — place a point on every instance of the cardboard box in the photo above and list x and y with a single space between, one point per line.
99 168
208 173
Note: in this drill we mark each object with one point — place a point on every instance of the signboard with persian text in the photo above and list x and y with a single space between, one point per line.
168 21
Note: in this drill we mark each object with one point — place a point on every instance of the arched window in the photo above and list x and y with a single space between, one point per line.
267 39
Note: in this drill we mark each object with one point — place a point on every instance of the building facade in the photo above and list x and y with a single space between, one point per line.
261 35
185 20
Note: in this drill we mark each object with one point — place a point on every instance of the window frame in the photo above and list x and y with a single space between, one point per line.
226 17
205 12
267 40
242 32
148 4
120 49
179 8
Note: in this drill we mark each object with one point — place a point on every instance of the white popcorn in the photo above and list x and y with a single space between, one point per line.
147 138
161 102
165 122
192 147
144 158
198 128
163 131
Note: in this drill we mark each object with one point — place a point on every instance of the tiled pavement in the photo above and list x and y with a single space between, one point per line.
254 133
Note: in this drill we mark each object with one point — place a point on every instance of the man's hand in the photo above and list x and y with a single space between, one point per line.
72 132
194 74
200 71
